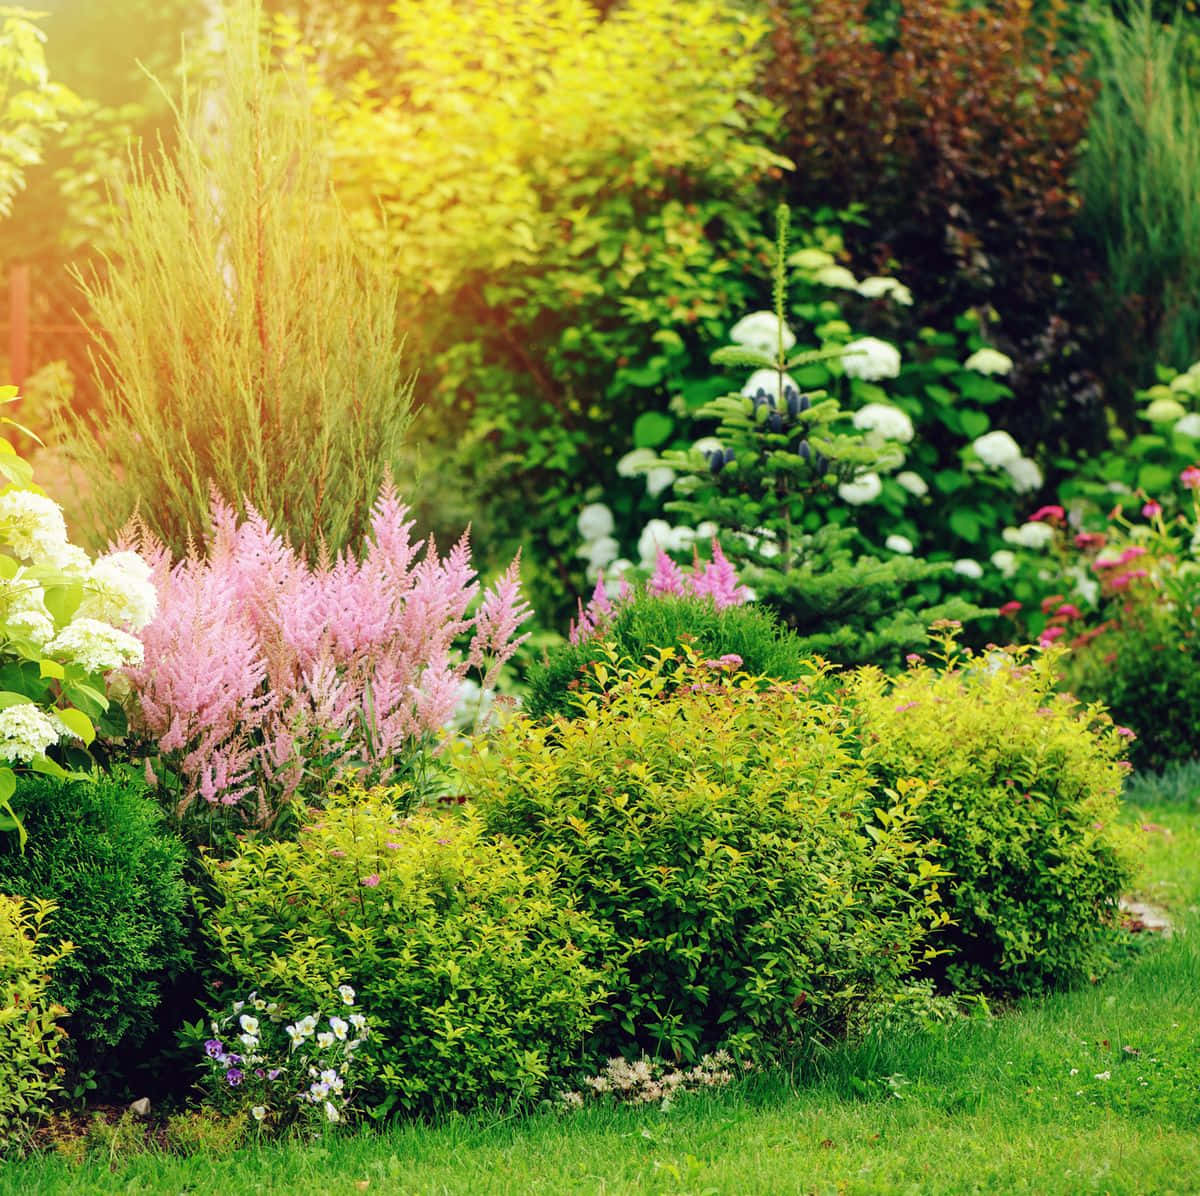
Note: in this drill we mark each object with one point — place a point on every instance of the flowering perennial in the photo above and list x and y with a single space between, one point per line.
258 664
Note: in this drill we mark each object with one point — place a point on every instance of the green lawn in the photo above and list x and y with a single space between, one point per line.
1091 1091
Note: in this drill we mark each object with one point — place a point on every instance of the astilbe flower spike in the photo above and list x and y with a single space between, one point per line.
259 663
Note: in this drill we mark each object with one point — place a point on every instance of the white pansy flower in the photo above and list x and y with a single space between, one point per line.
968 568
331 1113
339 1028
989 361
836 276
870 359
1189 425
346 993
595 522
899 544
877 288
885 421
1034 535
358 1021
31 524
26 732
324 1039
864 489
768 381
1026 475
118 590
97 646
258 1112
658 479
761 331
1005 560
913 483
248 1023
996 449
249 1041
1165 411
811 259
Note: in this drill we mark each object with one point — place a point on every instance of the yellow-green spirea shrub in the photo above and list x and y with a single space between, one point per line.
30 1037
759 885
1023 787
468 962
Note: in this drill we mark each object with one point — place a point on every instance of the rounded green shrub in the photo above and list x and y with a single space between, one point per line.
469 964
1023 787
722 828
102 853
645 622
30 1037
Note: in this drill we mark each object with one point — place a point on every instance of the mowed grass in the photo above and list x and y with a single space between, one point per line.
1096 1090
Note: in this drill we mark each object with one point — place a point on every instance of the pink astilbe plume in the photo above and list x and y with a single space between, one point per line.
261 668
718 580
667 578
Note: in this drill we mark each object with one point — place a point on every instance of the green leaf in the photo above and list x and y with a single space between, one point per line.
974 423
52 669
1152 477
651 429
949 480
9 698
50 768
965 523
78 724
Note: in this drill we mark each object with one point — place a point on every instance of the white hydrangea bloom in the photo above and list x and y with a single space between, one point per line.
913 483
1026 475
1034 535
618 568
708 444
989 361
118 590
655 535
26 732
871 359
96 646
1004 559
706 530
31 524
836 276
877 287
599 553
811 259
68 559
996 449
1084 584
635 462
1165 411
885 421
595 522
1189 425
899 544
769 381
761 331
864 489
658 479
968 567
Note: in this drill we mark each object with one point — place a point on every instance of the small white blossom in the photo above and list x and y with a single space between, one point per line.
768 381
885 422
357 1021
1026 475
346 993
1034 535
655 535
31 524
836 276
871 359
996 449
968 568
761 331
913 483
67 559
811 259
658 479
599 553
1004 560
96 646
331 1112
708 444
877 288
595 522
1165 411
118 590
864 489
26 732
324 1039
1189 425
989 361
249 1024
258 1112
339 1028
636 461
899 544
249 1041
1103 1075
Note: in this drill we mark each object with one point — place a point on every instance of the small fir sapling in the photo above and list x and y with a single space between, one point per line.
777 448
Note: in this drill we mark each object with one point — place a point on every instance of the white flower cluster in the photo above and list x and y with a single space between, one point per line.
641 462
1165 405
883 422
658 533
989 361
31 524
770 382
763 332
98 647
865 488
999 450
871 359
117 589
26 731
1029 535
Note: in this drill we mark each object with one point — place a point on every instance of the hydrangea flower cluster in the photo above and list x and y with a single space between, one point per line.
284 1072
